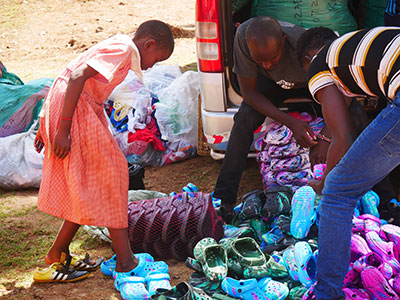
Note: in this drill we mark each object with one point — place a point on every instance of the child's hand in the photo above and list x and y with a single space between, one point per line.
38 143
62 144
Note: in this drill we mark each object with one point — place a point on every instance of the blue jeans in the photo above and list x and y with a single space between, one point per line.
374 154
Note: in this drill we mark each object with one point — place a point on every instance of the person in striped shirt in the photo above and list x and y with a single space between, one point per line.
364 63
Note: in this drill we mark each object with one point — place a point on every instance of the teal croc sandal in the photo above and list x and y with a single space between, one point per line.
107 267
157 280
274 290
246 289
306 263
213 258
132 288
183 291
302 212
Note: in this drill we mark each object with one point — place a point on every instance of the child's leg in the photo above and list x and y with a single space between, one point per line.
126 261
61 244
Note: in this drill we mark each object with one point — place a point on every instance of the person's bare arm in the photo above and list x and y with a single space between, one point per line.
62 142
301 130
336 116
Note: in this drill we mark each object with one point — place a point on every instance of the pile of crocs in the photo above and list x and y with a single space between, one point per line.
374 271
282 161
271 250
141 282
149 280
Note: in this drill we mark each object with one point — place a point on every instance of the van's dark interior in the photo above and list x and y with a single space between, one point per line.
363 11
365 16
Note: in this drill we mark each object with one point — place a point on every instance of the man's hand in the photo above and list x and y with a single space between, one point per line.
303 134
38 143
319 153
317 185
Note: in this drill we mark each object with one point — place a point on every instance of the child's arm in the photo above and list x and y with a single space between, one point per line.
62 142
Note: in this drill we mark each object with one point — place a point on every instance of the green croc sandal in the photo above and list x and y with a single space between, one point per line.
246 251
200 281
297 292
182 291
213 258
271 268
219 296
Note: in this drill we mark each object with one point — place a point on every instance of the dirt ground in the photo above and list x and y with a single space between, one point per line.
37 39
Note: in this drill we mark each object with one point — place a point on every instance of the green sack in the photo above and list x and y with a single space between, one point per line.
370 13
333 14
238 4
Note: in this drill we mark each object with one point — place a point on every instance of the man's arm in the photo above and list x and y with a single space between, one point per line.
301 130
336 115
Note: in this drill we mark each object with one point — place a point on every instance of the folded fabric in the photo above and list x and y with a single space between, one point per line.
292 164
280 136
288 150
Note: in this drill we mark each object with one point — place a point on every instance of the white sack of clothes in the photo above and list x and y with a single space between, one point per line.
177 111
20 164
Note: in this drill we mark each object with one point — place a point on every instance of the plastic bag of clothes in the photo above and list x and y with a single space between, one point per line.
333 14
177 110
160 76
20 164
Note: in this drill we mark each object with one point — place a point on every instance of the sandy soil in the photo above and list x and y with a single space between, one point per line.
37 39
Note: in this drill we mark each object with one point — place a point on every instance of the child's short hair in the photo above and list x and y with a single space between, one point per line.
313 38
157 30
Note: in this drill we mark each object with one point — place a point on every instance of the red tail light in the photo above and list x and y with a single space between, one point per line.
208 40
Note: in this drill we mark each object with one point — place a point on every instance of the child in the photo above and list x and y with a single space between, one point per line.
85 176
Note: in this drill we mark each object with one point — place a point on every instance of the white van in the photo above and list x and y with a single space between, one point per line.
220 94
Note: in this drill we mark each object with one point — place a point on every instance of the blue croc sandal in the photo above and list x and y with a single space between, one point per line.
245 289
131 288
108 266
369 203
142 270
302 212
274 290
290 263
156 280
306 263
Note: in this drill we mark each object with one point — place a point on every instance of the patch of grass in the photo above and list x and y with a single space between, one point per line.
189 67
26 236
